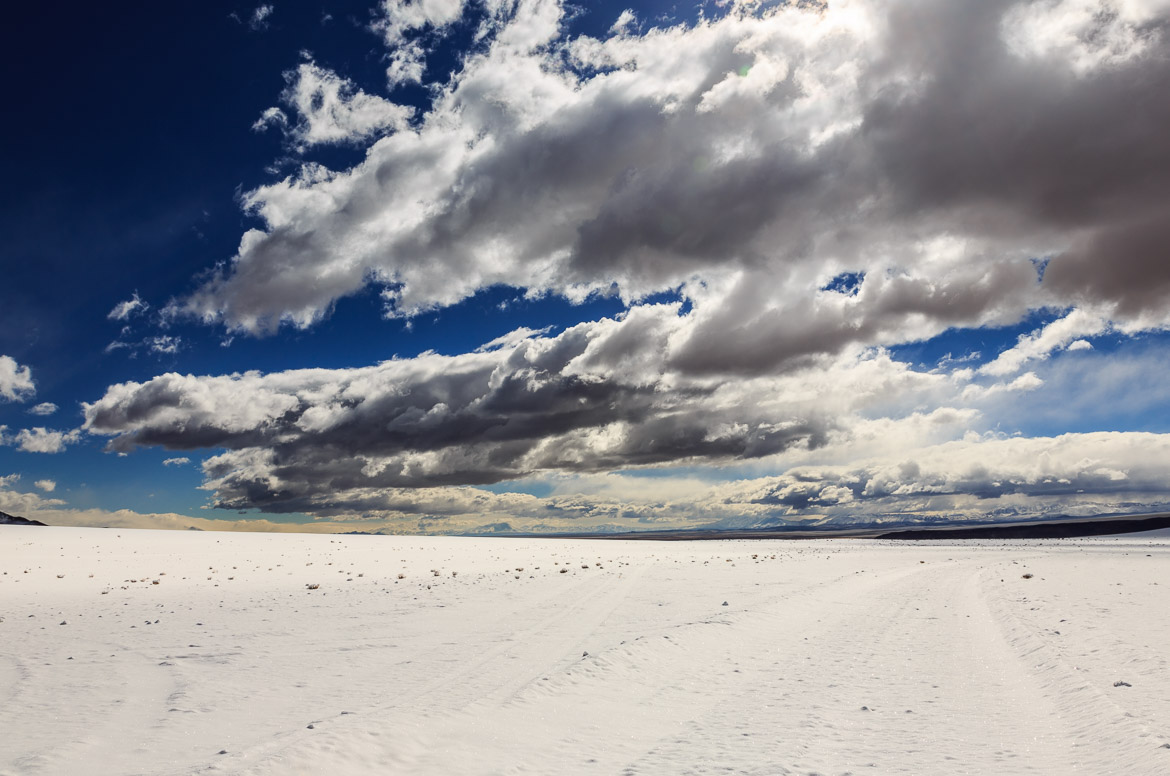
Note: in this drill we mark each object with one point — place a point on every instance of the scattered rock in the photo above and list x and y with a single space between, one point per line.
1027 576
865 708
310 726
1120 683
312 587
725 603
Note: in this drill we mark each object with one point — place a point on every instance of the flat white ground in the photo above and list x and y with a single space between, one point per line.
829 657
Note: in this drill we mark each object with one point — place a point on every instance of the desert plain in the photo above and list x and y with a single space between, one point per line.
165 652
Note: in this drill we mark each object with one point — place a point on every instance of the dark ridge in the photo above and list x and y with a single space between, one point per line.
1056 527
7 519
1046 530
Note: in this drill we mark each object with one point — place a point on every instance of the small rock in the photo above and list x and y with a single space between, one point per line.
865 708
725 603
1120 683
310 726
222 751
63 622
1027 576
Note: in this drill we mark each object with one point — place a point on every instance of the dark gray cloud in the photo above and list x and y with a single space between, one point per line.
545 404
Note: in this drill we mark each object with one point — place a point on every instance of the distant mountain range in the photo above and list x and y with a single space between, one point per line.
1055 527
7 519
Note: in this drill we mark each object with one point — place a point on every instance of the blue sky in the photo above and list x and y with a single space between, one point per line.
401 266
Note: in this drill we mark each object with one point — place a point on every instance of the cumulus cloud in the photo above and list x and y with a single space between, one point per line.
48 486
404 25
598 396
418 438
747 160
22 504
39 439
16 383
44 408
331 110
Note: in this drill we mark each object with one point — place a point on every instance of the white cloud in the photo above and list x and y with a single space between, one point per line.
331 109
48 486
22 504
1025 382
1038 345
402 22
16 383
624 22
181 461
44 408
1085 35
746 159
124 310
39 439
